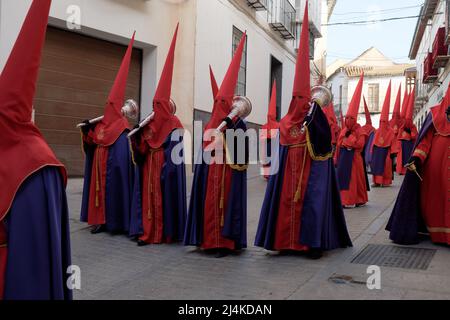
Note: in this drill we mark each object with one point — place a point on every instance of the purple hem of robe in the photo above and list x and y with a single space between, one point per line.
38 240
344 168
406 221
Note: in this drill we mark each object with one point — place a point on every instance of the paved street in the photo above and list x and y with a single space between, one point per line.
113 267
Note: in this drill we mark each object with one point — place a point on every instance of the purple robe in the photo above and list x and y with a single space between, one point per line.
38 232
344 168
406 221
323 223
120 174
235 217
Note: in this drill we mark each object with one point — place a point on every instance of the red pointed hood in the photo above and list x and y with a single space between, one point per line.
329 112
224 99
397 106
385 135
272 123
353 107
396 121
439 116
367 113
351 118
114 123
408 121
411 103
386 105
332 121
214 86
367 128
164 121
24 150
290 125
405 105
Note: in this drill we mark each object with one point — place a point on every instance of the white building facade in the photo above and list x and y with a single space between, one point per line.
431 51
379 71
75 78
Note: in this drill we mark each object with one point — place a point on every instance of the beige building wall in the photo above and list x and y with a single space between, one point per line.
154 22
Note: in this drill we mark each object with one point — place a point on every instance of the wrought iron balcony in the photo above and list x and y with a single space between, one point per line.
281 17
258 5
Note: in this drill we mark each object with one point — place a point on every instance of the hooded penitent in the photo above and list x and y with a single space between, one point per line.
290 125
34 230
302 208
394 123
159 195
24 150
164 121
217 220
114 123
351 118
224 99
406 136
385 135
422 206
108 165
350 164
269 130
405 105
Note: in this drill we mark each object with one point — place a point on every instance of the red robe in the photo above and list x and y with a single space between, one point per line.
434 151
3 256
296 177
152 206
357 193
218 185
96 211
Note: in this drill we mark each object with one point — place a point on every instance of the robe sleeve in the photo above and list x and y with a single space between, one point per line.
423 148
354 141
139 147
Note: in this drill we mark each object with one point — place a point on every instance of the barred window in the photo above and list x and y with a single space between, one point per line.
242 79
374 97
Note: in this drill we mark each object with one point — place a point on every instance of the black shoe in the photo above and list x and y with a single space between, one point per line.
222 253
98 229
360 205
376 185
142 243
315 254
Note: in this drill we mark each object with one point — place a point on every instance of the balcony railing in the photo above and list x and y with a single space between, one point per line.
430 74
258 5
440 50
281 18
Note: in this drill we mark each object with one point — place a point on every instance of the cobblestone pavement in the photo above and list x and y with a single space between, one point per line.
113 267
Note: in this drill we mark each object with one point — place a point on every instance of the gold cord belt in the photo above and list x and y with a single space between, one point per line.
97 177
298 192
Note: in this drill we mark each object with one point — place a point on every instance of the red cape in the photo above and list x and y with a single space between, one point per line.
24 150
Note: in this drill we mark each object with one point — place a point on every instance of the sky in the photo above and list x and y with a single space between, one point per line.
392 38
